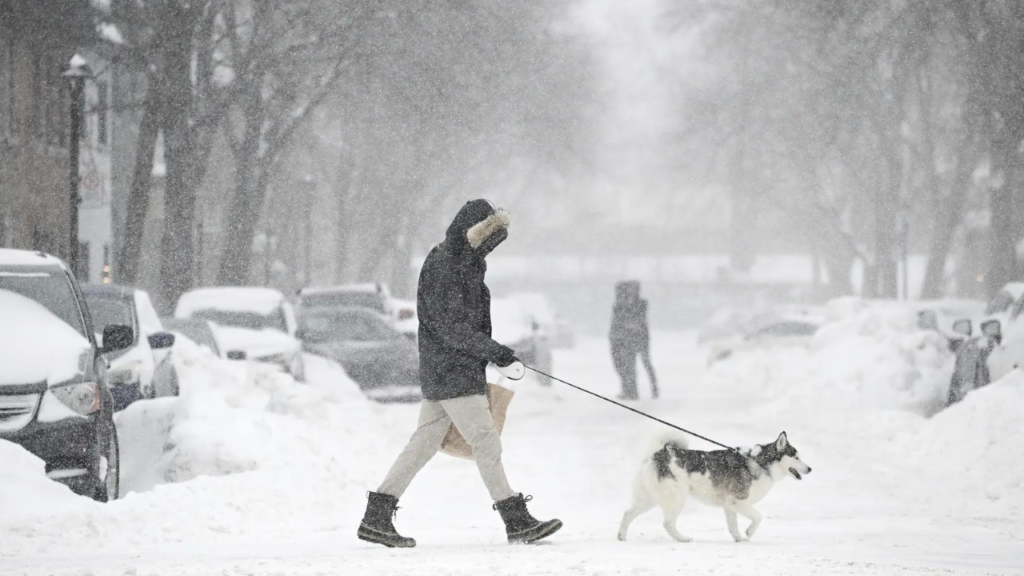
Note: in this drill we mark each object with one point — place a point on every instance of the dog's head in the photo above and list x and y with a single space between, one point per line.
783 457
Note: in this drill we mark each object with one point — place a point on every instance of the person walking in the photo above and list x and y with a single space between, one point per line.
630 335
455 345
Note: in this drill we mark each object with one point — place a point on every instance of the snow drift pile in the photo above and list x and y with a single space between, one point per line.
867 386
243 445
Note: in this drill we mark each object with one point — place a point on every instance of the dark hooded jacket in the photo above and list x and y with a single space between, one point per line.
454 307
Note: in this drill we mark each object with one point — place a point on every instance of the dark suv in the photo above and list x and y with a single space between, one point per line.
54 397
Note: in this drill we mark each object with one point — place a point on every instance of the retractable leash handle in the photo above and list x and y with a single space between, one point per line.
634 410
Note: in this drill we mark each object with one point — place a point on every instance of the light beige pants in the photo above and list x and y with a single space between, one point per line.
472 416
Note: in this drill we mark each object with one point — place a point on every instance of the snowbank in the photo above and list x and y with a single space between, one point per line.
866 355
871 387
27 492
233 417
977 447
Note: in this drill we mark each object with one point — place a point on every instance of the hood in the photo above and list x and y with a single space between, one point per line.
256 343
36 346
478 228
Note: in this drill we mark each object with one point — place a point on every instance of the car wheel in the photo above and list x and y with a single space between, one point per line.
108 467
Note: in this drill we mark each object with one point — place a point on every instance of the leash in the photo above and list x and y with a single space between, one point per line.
634 410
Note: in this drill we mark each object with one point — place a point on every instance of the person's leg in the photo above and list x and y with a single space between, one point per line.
624 359
422 446
472 416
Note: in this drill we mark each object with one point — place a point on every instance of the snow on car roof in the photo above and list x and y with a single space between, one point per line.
372 287
510 323
12 257
245 299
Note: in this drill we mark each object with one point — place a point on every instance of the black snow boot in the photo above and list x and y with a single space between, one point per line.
519 525
377 526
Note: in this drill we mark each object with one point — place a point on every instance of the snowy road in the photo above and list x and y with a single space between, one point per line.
576 456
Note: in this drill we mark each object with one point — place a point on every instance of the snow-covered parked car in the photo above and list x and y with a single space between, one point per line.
514 327
144 369
784 333
383 361
252 323
373 296
406 320
55 400
996 348
199 331
538 306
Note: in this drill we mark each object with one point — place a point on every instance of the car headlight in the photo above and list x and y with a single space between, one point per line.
121 375
83 398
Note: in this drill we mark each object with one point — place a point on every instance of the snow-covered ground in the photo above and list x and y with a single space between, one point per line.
250 473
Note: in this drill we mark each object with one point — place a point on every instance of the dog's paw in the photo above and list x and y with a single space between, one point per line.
684 539
622 537
750 533
741 539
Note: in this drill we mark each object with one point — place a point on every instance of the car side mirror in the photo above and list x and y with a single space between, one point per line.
964 327
236 355
117 337
993 329
161 340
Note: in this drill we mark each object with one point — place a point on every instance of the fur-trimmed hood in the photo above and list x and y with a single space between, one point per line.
478 227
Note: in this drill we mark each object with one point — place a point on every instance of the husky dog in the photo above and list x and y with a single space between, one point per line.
733 480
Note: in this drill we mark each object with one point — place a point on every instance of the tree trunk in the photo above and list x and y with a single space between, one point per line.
1003 234
247 202
138 196
950 213
177 262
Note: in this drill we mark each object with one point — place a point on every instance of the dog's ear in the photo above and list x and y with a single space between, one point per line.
782 442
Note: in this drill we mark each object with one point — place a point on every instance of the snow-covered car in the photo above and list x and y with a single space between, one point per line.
406 319
382 360
144 369
370 295
785 333
199 331
557 329
252 323
998 346
55 400
514 327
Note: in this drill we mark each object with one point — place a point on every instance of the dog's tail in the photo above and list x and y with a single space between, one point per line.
672 439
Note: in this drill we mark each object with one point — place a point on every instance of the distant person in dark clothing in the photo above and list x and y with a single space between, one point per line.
630 335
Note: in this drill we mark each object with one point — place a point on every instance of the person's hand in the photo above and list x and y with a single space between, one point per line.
507 356
514 371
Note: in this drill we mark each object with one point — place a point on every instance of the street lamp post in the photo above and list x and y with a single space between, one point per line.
76 74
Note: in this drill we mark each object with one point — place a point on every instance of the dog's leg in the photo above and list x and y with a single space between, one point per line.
642 502
747 510
734 529
671 515
631 515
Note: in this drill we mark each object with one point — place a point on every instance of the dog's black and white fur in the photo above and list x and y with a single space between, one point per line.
733 480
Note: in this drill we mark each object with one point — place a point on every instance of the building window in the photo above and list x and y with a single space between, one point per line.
101 112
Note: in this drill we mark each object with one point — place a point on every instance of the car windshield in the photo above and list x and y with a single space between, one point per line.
1002 301
51 289
346 328
347 299
106 311
239 319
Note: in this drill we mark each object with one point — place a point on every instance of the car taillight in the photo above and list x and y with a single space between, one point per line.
82 398
405 314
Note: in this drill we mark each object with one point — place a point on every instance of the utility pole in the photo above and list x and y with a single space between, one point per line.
76 74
